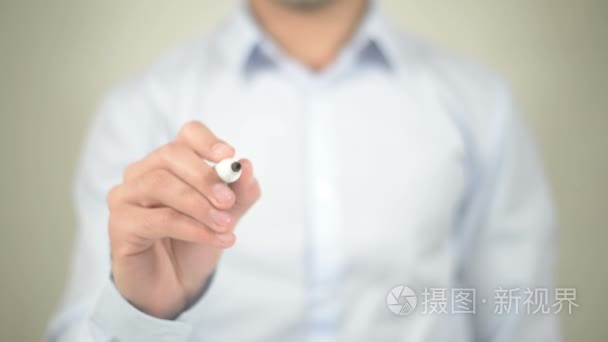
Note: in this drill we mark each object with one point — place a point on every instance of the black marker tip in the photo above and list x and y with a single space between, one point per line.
236 166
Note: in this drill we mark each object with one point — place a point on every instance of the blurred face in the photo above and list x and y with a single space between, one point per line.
305 4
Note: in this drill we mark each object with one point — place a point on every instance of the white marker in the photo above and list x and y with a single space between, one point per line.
229 170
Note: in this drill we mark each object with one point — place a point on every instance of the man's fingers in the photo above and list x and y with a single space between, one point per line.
181 160
203 142
160 188
157 223
168 222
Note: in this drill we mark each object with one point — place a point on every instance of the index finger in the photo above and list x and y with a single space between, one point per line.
203 142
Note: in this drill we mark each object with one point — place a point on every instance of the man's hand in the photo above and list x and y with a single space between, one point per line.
171 218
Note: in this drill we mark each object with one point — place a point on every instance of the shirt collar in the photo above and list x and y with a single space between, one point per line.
372 42
248 49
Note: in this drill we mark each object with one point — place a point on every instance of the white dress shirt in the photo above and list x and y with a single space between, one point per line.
396 165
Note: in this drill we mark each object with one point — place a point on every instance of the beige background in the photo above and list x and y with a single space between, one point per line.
58 57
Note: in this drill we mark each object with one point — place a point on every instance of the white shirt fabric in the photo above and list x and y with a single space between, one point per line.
396 165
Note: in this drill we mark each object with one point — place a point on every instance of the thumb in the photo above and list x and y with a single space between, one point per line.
246 189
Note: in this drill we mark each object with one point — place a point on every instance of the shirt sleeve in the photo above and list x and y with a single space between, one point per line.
115 318
509 228
126 128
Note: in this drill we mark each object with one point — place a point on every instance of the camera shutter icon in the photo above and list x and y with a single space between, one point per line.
401 300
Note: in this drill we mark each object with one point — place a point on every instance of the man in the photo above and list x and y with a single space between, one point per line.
383 162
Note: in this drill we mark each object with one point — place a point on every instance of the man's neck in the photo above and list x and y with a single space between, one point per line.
315 36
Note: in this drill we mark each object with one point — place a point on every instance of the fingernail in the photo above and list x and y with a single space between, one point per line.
221 218
221 150
222 193
225 238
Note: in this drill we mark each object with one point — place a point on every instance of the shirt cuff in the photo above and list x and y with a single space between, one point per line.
118 319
